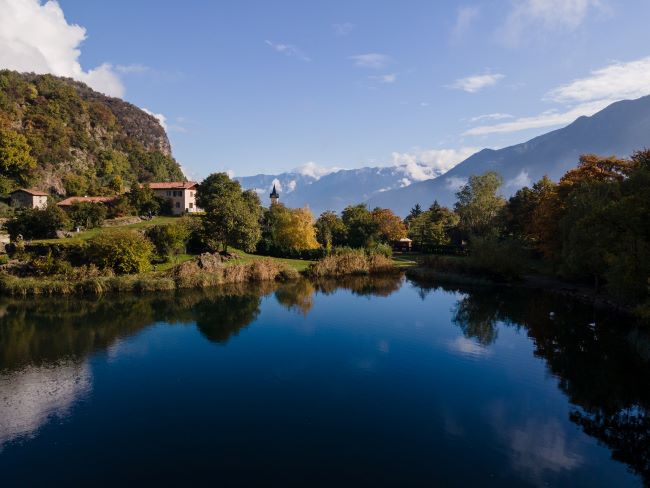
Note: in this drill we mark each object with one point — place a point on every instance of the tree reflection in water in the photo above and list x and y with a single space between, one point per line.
601 360
604 369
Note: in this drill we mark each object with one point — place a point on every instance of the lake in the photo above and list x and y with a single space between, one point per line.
366 382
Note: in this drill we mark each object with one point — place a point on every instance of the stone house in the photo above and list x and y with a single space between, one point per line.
28 198
182 195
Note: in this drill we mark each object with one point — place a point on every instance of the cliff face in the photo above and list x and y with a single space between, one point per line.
83 142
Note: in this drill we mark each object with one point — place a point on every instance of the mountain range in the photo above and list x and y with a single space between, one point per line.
619 129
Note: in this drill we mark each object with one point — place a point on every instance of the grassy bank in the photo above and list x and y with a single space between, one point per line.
350 262
186 275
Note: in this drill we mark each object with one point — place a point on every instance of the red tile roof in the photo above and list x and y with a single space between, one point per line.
31 191
73 200
172 185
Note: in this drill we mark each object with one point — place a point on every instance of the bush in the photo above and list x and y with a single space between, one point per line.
169 239
37 223
88 214
501 259
124 252
346 261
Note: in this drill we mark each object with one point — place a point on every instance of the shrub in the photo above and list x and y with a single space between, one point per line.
37 223
169 239
122 251
381 249
345 261
88 214
498 258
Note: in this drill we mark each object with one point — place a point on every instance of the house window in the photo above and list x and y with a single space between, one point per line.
191 194
178 204
191 205
169 193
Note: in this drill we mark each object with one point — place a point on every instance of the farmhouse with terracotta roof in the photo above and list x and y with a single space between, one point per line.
182 195
28 198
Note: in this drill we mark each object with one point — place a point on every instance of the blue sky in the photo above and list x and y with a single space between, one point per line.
261 86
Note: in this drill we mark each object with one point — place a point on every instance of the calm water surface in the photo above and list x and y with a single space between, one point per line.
376 382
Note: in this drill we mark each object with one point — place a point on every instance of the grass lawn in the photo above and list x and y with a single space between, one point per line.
404 260
297 264
90 233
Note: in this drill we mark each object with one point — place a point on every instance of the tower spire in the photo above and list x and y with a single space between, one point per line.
275 196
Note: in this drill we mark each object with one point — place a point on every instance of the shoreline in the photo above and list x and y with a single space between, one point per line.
574 291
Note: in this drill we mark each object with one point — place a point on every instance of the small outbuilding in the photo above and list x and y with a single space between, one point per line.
28 198
70 201
403 245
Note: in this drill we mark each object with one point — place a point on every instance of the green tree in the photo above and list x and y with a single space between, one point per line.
144 200
232 216
415 212
361 229
38 223
170 238
479 204
88 214
123 251
433 228
15 159
330 230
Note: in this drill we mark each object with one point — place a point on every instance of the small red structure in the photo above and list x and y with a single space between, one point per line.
403 245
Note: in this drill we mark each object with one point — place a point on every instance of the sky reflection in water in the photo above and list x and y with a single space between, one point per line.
372 382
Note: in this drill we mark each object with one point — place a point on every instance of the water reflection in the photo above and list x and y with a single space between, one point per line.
601 363
603 369
36 394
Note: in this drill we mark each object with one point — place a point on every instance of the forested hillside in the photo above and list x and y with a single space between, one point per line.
59 135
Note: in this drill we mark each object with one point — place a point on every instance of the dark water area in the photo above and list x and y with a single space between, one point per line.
365 382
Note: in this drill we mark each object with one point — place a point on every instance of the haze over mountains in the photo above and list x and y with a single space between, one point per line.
619 129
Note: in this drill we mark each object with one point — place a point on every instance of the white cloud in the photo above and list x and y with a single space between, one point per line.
548 118
231 174
313 170
519 181
388 78
426 164
36 37
404 182
131 68
531 15
614 82
371 60
476 83
343 29
291 186
161 118
464 20
583 96
494 116
289 50
455 183
277 184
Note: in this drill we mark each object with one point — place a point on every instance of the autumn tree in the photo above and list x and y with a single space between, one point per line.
389 226
289 229
232 216
16 162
